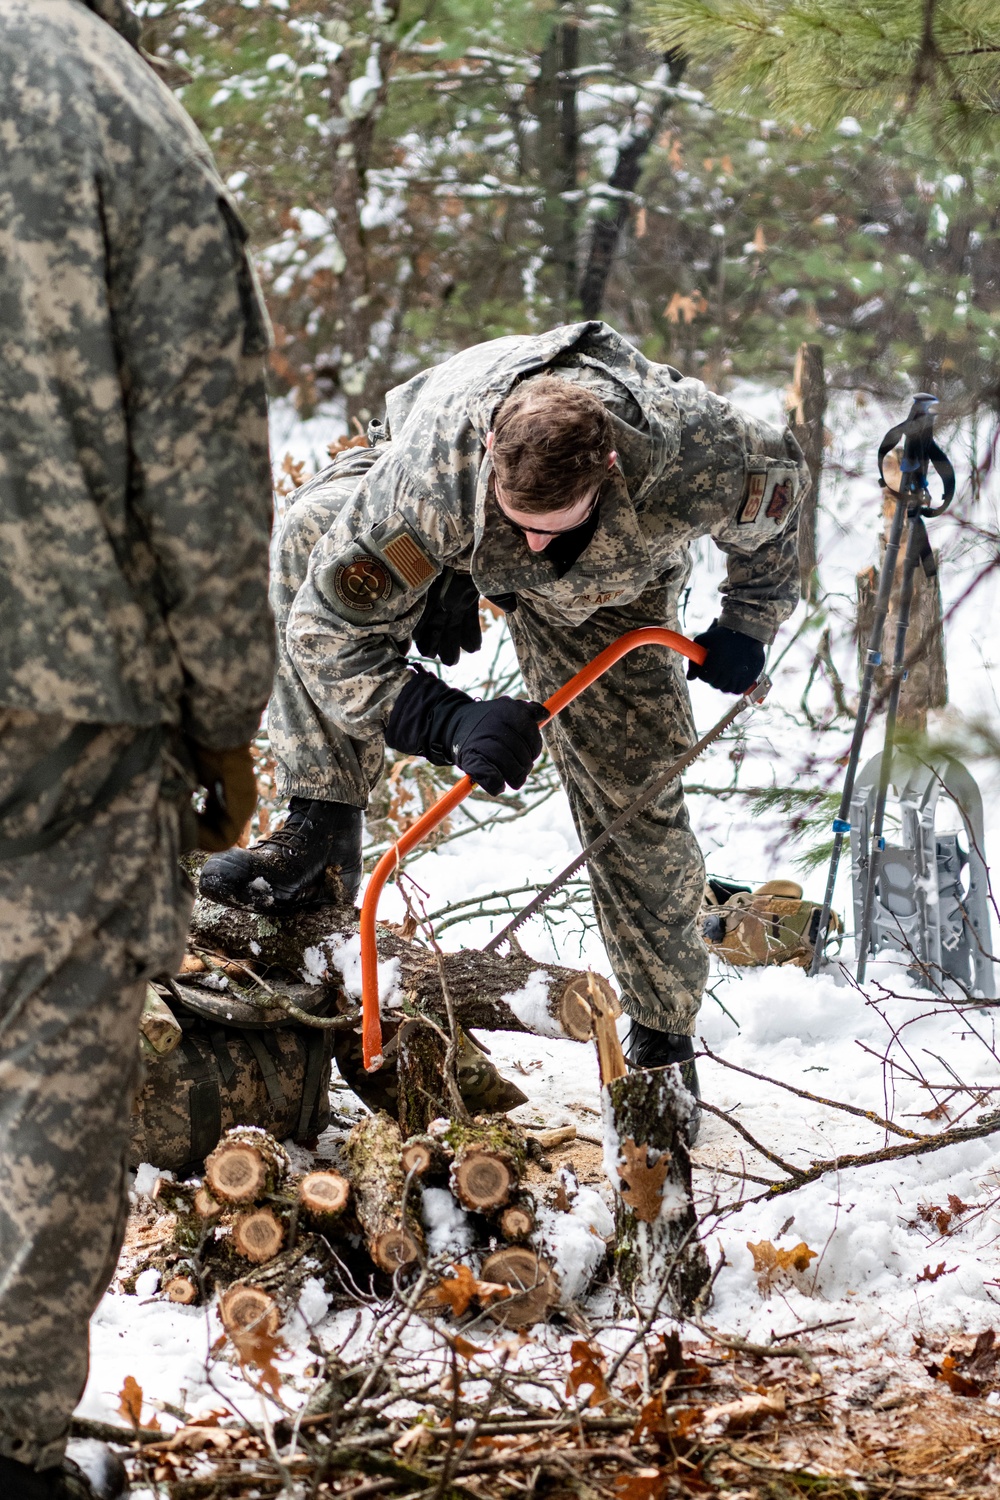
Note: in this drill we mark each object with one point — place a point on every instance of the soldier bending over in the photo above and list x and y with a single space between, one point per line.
563 476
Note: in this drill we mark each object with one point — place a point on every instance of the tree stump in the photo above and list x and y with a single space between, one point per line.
660 1258
394 1238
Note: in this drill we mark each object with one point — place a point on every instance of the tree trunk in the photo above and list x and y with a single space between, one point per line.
393 1236
558 147
607 227
926 684
805 401
659 1256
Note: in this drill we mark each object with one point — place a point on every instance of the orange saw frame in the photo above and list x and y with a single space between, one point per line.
371 1024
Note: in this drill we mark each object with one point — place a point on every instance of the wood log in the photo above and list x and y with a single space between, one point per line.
246 1165
489 1160
421 1093
323 1196
534 1288
258 1235
205 1206
159 1028
660 1259
247 1309
428 1157
516 1223
490 992
182 1289
393 1237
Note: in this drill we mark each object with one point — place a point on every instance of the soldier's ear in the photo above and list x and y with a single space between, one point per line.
489 441
612 457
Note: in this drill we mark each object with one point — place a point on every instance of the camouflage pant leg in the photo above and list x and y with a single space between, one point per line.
83 924
607 745
314 757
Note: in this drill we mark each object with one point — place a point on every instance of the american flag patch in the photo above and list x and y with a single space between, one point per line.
408 560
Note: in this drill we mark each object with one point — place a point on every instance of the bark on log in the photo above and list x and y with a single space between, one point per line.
421 1093
245 1166
534 1288
490 992
394 1238
659 1255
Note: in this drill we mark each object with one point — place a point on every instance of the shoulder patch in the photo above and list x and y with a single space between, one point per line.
770 497
408 559
362 582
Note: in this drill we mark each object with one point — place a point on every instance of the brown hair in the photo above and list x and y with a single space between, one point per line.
551 442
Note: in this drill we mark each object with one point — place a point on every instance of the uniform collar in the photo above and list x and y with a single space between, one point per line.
119 15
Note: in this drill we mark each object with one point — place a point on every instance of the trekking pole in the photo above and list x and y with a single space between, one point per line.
919 451
916 432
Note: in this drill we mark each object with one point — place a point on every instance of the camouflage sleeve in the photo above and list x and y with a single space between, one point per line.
761 538
193 334
354 616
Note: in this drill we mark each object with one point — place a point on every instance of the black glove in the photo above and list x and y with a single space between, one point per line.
734 660
496 742
449 624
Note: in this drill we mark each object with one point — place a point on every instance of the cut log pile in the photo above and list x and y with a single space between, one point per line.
422 1188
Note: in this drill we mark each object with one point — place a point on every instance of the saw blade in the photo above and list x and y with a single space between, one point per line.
750 699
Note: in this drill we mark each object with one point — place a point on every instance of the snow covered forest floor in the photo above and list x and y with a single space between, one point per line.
890 1271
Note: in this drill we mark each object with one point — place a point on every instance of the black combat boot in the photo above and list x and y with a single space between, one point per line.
647 1048
90 1471
288 870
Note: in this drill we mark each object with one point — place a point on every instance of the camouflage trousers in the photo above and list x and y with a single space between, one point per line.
648 882
83 924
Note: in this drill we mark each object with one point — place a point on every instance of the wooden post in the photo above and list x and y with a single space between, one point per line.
926 685
805 402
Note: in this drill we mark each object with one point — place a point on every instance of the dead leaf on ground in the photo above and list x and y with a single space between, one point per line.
130 1404
747 1410
644 1192
942 1270
773 1265
645 1484
969 1367
258 1348
460 1291
587 1369
670 1423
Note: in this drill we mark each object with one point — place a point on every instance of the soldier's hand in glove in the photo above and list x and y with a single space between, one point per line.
496 742
230 794
733 662
449 624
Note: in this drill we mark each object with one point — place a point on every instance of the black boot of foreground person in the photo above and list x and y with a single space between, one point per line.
90 1471
648 1048
287 870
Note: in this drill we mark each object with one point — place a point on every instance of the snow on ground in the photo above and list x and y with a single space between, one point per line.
875 1254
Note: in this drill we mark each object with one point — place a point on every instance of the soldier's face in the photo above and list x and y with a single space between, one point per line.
538 535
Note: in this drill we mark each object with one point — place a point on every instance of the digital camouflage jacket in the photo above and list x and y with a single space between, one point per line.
135 494
689 464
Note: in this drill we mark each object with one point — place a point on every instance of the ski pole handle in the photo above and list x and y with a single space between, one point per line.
371 1024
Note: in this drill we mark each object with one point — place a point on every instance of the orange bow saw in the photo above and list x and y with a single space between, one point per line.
371 1024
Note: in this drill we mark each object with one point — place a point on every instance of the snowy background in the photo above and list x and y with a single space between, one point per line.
873 1230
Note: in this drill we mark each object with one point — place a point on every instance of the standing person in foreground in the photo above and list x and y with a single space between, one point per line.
136 646
563 476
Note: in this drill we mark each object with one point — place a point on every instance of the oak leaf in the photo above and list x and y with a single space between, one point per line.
460 1291
587 1369
644 1193
747 1409
951 1375
647 1484
130 1404
258 1348
941 1270
772 1264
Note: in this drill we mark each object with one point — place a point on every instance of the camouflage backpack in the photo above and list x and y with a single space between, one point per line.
769 925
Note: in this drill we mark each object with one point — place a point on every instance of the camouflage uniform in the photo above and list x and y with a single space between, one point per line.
134 522
689 465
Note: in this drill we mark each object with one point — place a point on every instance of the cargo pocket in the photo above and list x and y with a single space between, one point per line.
256 326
